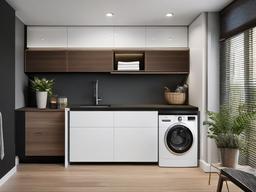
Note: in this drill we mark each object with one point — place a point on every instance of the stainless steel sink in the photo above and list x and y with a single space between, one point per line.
94 106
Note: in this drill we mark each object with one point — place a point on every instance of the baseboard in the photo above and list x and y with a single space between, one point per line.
8 175
204 166
17 161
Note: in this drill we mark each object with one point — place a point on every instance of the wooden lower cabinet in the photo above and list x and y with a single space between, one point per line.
44 133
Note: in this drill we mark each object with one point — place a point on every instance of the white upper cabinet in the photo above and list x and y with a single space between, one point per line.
86 37
46 37
129 37
166 37
107 37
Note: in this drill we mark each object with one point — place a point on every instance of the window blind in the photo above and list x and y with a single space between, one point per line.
238 83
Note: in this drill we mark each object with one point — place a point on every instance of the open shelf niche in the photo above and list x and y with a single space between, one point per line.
129 56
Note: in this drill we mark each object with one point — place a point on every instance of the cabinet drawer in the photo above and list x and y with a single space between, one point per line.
91 145
91 119
44 133
136 119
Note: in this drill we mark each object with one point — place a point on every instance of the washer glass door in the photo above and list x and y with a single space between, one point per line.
178 139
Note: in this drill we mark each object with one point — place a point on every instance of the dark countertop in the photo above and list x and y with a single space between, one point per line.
165 109
139 107
34 109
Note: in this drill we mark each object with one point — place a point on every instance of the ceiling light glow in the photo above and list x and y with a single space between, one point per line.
169 14
109 14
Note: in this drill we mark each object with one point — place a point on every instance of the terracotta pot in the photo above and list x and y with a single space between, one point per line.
229 157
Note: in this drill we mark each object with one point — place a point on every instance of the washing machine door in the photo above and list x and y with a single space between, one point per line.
178 139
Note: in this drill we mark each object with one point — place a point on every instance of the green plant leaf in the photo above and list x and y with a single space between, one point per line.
42 85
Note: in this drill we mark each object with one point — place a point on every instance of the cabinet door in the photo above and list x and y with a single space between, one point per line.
90 37
91 145
136 145
136 136
45 61
166 37
167 61
46 37
130 37
90 61
44 133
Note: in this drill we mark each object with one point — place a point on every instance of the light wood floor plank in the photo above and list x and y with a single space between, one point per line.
109 178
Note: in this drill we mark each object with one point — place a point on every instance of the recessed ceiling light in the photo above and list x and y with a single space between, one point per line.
109 14
169 14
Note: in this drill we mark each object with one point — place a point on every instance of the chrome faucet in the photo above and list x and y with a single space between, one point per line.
97 98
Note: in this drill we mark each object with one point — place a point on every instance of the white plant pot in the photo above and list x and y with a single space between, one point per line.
41 99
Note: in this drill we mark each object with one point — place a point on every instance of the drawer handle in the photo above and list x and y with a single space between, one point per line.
38 133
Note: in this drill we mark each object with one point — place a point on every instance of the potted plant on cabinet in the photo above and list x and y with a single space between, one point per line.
226 129
43 88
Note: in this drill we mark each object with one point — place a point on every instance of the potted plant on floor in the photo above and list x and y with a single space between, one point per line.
43 88
226 128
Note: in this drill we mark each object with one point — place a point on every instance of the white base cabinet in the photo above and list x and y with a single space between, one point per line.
124 137
135 136
136 145
91 144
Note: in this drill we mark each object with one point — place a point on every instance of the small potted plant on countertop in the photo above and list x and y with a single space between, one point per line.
226 128
43 88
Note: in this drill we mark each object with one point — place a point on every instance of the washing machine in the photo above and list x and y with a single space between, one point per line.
178 140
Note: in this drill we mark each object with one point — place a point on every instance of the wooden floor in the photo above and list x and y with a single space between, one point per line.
109 178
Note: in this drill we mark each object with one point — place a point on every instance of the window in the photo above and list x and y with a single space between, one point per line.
238 82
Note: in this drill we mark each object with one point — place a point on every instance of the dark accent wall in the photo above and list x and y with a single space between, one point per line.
237 17
114 89
7 84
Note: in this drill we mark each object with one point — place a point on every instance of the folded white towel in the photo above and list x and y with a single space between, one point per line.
128 63
129 69
129 66
1 138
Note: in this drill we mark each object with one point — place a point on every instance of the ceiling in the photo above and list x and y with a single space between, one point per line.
126 12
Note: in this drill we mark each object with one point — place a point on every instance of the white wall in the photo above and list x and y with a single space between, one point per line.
204 77
20 77
197 77
213 75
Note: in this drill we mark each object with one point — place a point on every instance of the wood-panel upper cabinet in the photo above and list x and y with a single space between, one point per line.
47 37
166 37
44 133
45 61
86 37
90 61
129 37
167 61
